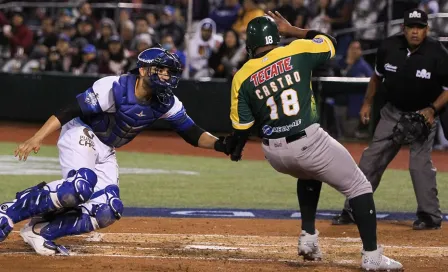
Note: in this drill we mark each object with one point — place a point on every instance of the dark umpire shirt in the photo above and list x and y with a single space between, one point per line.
412 80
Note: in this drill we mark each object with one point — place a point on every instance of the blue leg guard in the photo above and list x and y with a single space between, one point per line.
39 199
6 226
84 220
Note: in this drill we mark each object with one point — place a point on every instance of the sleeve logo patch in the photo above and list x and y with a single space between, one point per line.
318 40
92 99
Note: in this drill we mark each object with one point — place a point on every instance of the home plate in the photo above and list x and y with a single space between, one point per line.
210 247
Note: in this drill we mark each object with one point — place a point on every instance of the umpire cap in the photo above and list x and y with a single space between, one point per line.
415 17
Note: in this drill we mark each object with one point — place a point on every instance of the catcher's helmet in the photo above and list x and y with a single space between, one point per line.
160 58
261 31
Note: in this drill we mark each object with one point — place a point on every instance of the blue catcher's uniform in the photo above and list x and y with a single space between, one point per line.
111 117
118 121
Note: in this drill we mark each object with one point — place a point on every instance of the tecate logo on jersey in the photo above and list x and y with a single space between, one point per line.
423 74
275 69
268 130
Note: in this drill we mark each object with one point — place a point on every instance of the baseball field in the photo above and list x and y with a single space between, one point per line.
195 210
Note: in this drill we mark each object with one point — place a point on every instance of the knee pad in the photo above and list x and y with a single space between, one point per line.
106 214
39 199
84 221
77 189
6 226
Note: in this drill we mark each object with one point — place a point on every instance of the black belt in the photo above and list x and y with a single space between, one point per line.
289 139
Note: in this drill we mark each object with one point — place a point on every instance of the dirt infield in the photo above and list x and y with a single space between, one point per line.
168 244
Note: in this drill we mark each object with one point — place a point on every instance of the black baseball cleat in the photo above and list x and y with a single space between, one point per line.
422 225
345 218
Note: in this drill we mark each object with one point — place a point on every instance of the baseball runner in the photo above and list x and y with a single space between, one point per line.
106 116
273 90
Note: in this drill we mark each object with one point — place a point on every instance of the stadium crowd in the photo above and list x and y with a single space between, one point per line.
83 40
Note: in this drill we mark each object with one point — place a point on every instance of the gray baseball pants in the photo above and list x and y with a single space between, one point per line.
320 157
381 152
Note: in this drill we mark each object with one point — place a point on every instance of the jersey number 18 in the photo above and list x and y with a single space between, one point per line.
290 104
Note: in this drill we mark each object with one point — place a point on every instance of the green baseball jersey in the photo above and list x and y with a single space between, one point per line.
275 91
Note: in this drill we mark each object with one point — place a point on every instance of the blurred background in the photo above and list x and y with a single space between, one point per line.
66 45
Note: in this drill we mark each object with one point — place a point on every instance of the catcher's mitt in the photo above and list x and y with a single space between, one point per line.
411 127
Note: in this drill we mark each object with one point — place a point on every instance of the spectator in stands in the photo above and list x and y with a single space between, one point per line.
225 15
429 6
18 35
3 19
168 44
152 19
65 52
367 12
85 10
142 27
168 26
249 11
354 65
295 12
87 64
65 17
143 41
225 62
320 20
127 33
54 61
59 58
107 30
340 17
35 18
46 35
204 42
124 16
116 60
86 29
44 40
69 29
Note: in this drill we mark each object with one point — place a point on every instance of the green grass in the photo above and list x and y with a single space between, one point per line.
222 183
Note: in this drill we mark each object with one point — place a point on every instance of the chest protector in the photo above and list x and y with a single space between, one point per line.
130 118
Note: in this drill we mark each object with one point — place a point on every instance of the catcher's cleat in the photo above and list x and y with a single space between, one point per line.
42 246
309 246
376 261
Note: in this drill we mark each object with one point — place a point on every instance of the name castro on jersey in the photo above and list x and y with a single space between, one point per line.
268 130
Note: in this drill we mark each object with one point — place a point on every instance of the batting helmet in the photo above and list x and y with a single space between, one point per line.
261 31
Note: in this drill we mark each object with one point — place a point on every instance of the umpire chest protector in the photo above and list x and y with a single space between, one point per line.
412 80
130 117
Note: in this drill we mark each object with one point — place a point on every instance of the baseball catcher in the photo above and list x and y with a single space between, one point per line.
106 116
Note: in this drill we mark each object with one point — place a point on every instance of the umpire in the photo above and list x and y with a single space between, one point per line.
414 71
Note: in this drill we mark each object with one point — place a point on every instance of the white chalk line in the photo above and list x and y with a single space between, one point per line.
99 236
162 257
